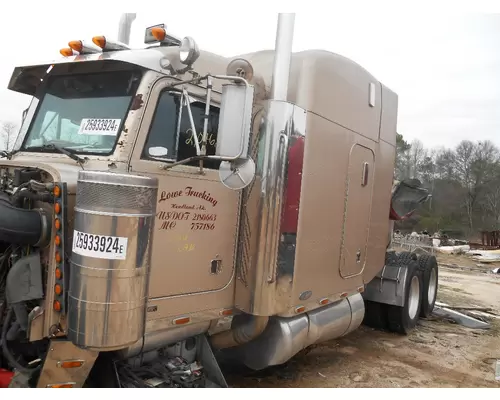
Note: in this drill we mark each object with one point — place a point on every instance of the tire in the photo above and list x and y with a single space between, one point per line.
403 319
375 315
407 258
429 269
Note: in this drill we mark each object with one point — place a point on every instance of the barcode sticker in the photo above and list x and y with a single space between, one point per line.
100 246
99 126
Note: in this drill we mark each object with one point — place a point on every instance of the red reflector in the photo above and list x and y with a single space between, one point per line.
5 378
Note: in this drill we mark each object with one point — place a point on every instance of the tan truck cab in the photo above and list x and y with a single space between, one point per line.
165 207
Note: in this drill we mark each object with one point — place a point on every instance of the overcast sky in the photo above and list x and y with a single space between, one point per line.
444 67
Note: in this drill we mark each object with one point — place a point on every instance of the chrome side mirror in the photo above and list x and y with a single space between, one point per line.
235 121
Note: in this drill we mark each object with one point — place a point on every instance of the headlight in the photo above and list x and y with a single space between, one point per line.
188 51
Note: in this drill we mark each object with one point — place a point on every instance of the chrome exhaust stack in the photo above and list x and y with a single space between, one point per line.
282 56
124 26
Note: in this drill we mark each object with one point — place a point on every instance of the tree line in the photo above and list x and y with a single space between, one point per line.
464 183
8 135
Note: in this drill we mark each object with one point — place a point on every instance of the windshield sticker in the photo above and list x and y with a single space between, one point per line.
99 126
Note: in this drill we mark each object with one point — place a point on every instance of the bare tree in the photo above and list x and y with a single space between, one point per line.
8 131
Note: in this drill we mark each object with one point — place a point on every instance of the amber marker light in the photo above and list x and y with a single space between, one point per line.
99 41
70 363
182 321
61 385
76 45
57 305
300 309
57 191
58 273
57 208
66 52
57 289
158 33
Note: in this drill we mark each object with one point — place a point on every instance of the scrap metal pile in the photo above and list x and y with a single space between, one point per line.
173 372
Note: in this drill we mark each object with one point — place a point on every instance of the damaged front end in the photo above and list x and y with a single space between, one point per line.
31 230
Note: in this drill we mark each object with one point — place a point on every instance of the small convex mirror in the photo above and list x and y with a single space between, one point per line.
235 121
158 151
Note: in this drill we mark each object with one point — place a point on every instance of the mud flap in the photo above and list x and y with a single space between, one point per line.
205 355
53 374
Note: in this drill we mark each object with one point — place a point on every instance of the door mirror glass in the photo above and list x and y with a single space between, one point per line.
235 121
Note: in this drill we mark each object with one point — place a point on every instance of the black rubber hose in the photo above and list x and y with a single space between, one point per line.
7 354
18 225
18 198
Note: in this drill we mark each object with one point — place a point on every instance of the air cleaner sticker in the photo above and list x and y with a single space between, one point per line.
100 246
99 126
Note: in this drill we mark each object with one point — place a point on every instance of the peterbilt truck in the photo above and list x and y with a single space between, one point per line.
166 209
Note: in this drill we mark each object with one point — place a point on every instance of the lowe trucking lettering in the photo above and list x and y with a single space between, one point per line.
188 191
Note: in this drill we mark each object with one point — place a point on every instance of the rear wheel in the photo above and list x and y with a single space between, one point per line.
429 268
403 319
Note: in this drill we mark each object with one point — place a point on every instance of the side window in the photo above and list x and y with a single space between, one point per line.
163 129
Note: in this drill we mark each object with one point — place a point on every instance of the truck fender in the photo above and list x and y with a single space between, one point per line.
388 286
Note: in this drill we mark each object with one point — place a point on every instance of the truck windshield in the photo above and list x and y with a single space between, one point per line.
83 113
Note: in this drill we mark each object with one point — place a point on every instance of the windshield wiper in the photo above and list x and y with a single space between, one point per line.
62 150
8 154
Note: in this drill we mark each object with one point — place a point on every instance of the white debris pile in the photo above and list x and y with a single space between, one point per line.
461 249
485 256
422 239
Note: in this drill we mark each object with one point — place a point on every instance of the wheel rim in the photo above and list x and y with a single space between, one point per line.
414 297
431 291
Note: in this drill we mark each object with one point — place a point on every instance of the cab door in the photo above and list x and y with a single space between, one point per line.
195 233
357 212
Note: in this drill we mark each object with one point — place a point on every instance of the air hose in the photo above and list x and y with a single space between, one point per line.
6 352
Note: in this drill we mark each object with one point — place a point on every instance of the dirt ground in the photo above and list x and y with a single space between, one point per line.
438 353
